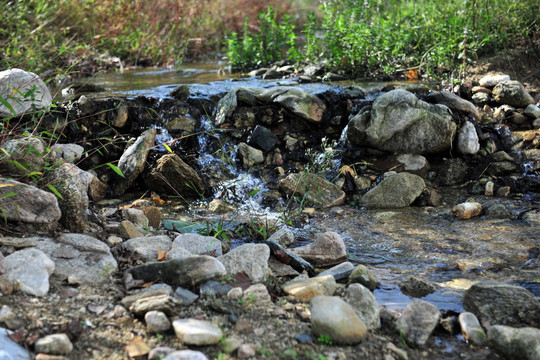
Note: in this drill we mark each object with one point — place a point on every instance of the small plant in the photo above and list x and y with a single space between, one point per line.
290 354
247 301
325 340
324 163
159 336
264 351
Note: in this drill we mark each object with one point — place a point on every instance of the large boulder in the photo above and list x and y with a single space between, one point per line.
26 203
400 122
512 93
515 344
396 191
314 189
23 91
173 176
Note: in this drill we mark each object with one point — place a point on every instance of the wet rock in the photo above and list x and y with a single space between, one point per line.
306 289
133 160
498 211
181 92
364 304
70 153
400 122
512 93
502 304
182 123
197 332
471 329
334 318
327 249
491 80
454 103
272 74
515 344
503 191
284 236
27 154
467 139
28 203
187 272
136 216
287 257
57 344
500 168
186 355
30 269
23 82
173 176
262 138
532 111
339 272
417 287
186 296
250 156
363 276
249 258
160 302
399 190
80 259
295 100
313 188
214 289
198 244
418 321
147 248
128 230
452 171
467 210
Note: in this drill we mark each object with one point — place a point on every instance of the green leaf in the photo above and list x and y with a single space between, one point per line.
8 106
8 195
168 148
253 192
55 192
116 169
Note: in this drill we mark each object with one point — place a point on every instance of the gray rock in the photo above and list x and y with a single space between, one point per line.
364 304
467 139
314 189
181 92
187 272
480 99
532 111
327 249
306 289
259 293
498 211
56 344
197 332
160 302
339 272
133 160
70 153
492 80
262 138
515 344
186 355
157 321
399 190
129 300
295 100
182 123
26 203
136 216
512 93
198 244
418 321
186 296
27 154
334 318
284 236
80 259
414 164
454 103
128 230
400 122
417 287
471 329
23 82
9 349
214 289
502 304
452 171
147 247
249 258
249 155
30 268
363 276
172 176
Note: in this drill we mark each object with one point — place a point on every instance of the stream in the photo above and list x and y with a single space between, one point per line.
423 241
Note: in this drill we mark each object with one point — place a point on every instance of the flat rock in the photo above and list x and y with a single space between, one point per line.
334 318
160 302
249 258
80 259
147 247
339 272
306 289
30 269
313 188
515 344
418 321
492 80
198 244
502 304
416 286
396 191
364 304
327 249
197 332
189 271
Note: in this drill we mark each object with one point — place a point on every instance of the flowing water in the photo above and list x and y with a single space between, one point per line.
426 242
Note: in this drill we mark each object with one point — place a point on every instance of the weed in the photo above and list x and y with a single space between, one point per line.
264 351
325 340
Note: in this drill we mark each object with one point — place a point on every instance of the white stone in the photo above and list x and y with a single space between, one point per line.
197 332
157 321
468 142
16 82
147 247
30 268
471 329
198 244
56 344
249 258
492 80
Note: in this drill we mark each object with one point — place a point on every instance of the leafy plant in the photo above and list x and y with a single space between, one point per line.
325 340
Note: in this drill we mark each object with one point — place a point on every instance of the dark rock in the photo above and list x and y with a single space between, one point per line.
512 93
173 176
289 258
262 138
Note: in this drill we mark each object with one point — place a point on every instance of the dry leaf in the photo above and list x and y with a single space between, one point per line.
161 255
412 75
137 347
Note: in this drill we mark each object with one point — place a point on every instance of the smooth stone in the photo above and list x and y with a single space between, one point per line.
481 99
306 289
245 351
532 111
57 344
414 164
284 236
515 344
513 93
468 142
364 304
197 332
417 287
70 153
249 155
198 244
30 269
9 349
333 317
454 103
128 230
136 216
492 80
396 191
327 249
362 275
147 248
418 321
187 297
186 355
249 258
235 293
502 304
339 272
471 329
157 321
214 289
467 210
314 189
160 352
22 81
262 138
